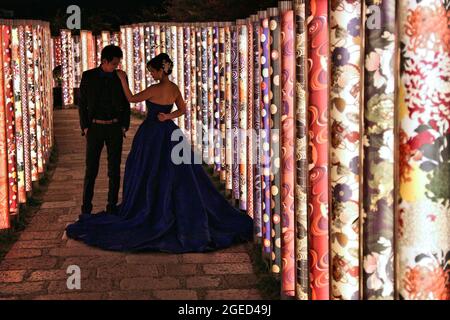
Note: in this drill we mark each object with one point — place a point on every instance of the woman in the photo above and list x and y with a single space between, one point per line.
166 206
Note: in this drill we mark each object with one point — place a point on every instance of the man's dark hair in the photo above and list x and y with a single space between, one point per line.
110 52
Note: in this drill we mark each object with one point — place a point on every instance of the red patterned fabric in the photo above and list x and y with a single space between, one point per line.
318 47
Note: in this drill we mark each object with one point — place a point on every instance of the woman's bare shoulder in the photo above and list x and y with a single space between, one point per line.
175 88
169 89
154 87
173 85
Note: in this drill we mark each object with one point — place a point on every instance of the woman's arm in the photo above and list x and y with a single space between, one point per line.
181 105
141 96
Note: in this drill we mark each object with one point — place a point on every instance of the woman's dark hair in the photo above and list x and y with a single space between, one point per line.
110 52
161 61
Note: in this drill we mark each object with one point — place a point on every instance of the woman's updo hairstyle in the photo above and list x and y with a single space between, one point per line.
161 61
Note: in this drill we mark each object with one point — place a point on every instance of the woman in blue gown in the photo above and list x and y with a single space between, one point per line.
166 206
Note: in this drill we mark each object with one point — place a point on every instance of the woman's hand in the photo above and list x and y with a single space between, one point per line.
163 117
126 89
122 75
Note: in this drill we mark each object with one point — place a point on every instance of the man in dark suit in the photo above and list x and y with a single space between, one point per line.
104 119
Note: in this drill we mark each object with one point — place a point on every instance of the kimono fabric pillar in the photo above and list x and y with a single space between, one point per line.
288 81
318 47
19 131
4 207
243 104
345 96
204 90
124 45
222 108
378 165
25 111
424 207
32 99
301 149
211 105
217 136
187 81
130 58
235 110
228 111
142 65
257 192
77 61
265 134
149 38
194 101
137 64
9 118
157 40
39 100
180 57
275 136
250 133
199 109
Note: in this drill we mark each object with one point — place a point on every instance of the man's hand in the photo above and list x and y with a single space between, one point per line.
85 131
124 131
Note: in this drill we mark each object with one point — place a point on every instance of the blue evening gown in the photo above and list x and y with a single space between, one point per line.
165 206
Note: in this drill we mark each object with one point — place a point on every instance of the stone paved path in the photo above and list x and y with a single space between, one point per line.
35 267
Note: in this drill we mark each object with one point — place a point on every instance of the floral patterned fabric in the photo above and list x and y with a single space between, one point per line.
424 114
345 95
378 165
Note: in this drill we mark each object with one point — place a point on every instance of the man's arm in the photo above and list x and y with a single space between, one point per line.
82 108
126 112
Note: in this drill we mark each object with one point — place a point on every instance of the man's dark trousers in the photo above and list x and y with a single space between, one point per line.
101 100
99 135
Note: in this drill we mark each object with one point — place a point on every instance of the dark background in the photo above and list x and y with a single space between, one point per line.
98 15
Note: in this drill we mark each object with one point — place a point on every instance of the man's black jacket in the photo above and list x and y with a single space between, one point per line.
89 98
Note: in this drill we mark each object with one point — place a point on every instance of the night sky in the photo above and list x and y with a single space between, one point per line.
95 14
39 9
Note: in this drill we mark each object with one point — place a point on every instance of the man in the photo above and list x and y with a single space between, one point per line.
104 119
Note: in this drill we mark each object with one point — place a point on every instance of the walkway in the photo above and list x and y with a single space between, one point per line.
35 267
